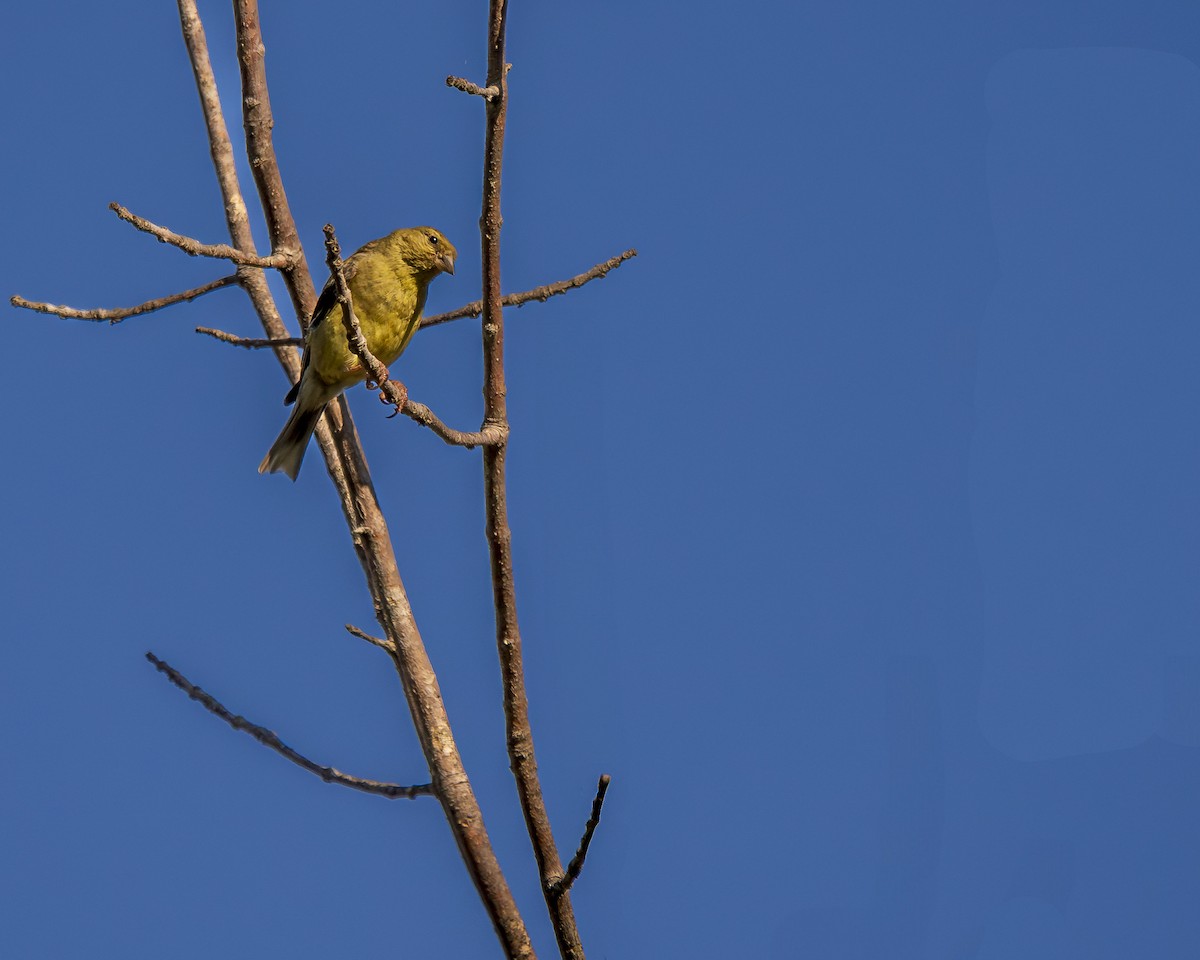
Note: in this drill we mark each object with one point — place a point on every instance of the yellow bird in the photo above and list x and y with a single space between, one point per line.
388 280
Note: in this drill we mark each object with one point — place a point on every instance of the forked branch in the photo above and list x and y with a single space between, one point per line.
348 468
194 248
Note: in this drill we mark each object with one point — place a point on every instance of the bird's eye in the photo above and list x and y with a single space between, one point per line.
433 239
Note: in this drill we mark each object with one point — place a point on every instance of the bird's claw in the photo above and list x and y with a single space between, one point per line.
397 396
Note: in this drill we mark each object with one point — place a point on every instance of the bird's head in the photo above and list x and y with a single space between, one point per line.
426 250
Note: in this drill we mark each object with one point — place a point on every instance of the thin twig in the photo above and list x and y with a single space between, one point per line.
377 641
194 248
542 294
117 314
488 436
575 867
250 343
466 86
519 735
267 738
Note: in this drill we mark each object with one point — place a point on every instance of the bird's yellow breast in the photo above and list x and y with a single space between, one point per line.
387 302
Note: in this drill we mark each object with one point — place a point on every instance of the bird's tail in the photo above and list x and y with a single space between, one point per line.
287 452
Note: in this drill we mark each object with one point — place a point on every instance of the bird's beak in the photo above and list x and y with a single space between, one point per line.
446 263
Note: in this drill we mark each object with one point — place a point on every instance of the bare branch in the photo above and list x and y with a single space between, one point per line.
117 314
542 294
377 641
267 738
264 164
250 343
519 739
194 248
489 435
466 86
575 867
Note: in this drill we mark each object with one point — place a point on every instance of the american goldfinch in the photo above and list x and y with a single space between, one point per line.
388 280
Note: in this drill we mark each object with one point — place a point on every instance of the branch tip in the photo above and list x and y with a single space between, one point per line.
575 867
377 641
466 86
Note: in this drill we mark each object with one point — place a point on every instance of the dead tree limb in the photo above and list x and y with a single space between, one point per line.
499 535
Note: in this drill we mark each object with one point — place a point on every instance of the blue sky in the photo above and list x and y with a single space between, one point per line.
855 520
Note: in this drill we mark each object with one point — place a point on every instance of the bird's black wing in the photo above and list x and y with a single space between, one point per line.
326 301
328 297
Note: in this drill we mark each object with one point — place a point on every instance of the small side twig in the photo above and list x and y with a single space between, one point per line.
488 436
575 867
466 86
542 294
267 738
194 248
250 343
117 314
380 642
